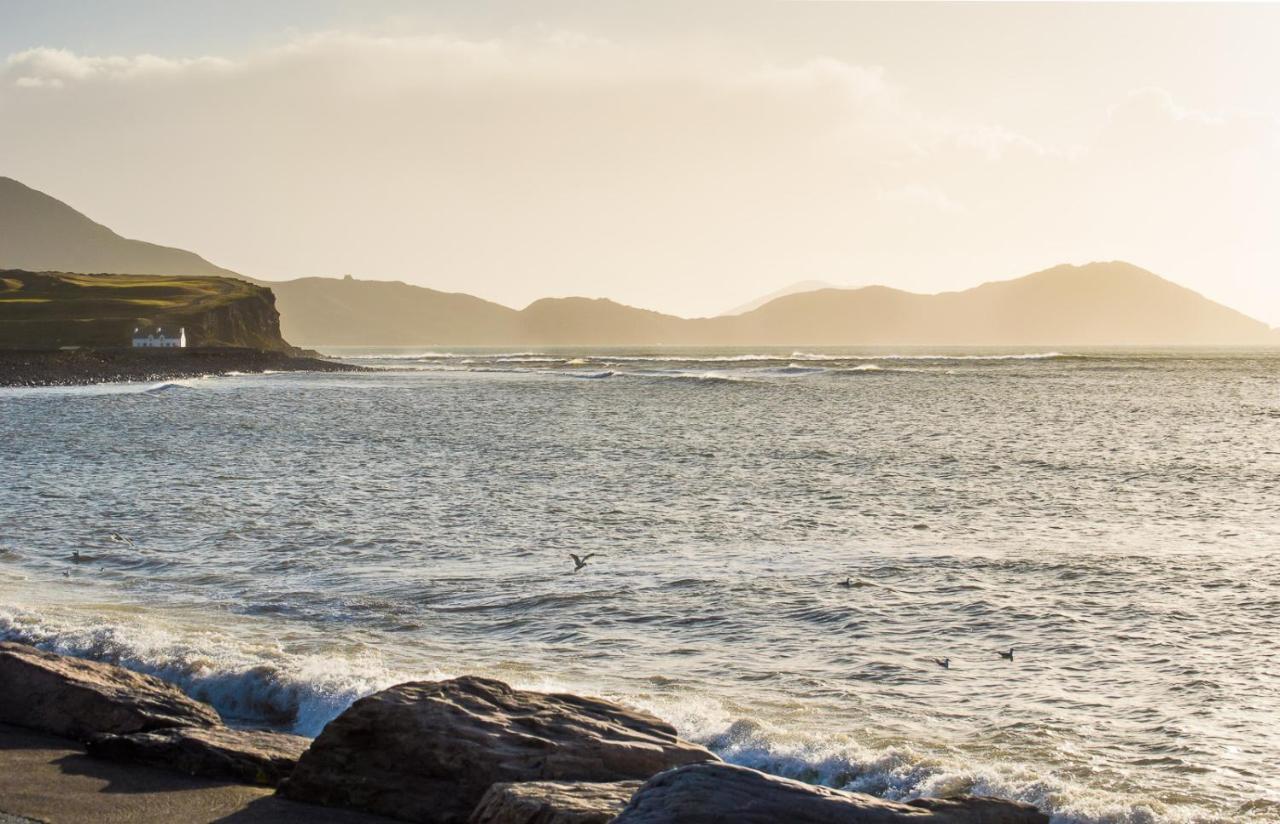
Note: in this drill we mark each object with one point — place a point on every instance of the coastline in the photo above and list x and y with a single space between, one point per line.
81 367
85 740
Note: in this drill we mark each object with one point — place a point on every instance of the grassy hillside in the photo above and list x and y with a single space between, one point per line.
53 309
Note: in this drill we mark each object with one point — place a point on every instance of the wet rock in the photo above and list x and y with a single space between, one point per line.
553 802
978 809
427 751
77 698
707 793
248 756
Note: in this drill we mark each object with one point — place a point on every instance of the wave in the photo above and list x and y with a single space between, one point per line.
263 684
797 369
704 377
168 386
432 355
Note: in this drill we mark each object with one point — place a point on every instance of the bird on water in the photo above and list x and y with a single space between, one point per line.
1008 656
579 563
121 539
945 663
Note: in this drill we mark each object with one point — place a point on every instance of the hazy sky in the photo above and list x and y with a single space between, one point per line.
683 156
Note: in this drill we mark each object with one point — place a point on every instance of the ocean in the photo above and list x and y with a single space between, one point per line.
296 541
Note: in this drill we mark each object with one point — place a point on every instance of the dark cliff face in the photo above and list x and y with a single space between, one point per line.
47 310
250 321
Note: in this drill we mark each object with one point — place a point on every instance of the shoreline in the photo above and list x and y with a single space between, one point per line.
86 740
46 777
85 367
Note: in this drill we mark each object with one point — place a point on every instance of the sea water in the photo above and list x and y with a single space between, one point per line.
296 541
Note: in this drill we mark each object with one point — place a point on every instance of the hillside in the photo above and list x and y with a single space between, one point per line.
1098 304
350 312
41 233
54 309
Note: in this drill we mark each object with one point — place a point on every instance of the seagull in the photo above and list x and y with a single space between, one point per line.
859 584
1008 656
945 663
579 563
120 539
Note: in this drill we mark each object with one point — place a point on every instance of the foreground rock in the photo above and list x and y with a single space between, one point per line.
81 699
707 793
553 802
427 751
249 756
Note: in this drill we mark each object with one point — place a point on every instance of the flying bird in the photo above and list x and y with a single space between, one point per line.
579 563
945 663
859 584
1008 656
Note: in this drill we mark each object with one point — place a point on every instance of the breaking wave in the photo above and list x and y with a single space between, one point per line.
264 684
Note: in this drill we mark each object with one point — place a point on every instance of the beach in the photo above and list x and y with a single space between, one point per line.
50 779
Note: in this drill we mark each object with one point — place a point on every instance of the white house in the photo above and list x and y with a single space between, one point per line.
159 338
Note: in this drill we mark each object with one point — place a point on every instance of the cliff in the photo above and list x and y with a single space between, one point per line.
48 310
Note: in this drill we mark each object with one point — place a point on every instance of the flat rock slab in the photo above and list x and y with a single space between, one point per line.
714 793
553 802
249 756
79 699
427 751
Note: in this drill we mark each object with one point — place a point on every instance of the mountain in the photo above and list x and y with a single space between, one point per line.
41 233
53 309
1098 304
795 288
351 312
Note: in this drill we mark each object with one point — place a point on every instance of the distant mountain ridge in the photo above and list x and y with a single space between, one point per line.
41 233
795 288
1098 304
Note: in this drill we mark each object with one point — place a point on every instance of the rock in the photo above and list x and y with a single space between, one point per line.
707 793
980 809
553 802
427 751
76 698
250 756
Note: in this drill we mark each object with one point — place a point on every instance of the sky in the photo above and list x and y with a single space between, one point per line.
686 157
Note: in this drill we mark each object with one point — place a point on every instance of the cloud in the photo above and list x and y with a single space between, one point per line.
552 162
56 68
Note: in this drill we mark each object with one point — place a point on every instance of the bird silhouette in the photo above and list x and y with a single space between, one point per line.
1008 656
579 563
945 663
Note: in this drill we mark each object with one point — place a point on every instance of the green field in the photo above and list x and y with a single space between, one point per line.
54 309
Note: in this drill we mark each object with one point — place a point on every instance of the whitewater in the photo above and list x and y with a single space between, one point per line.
302 540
